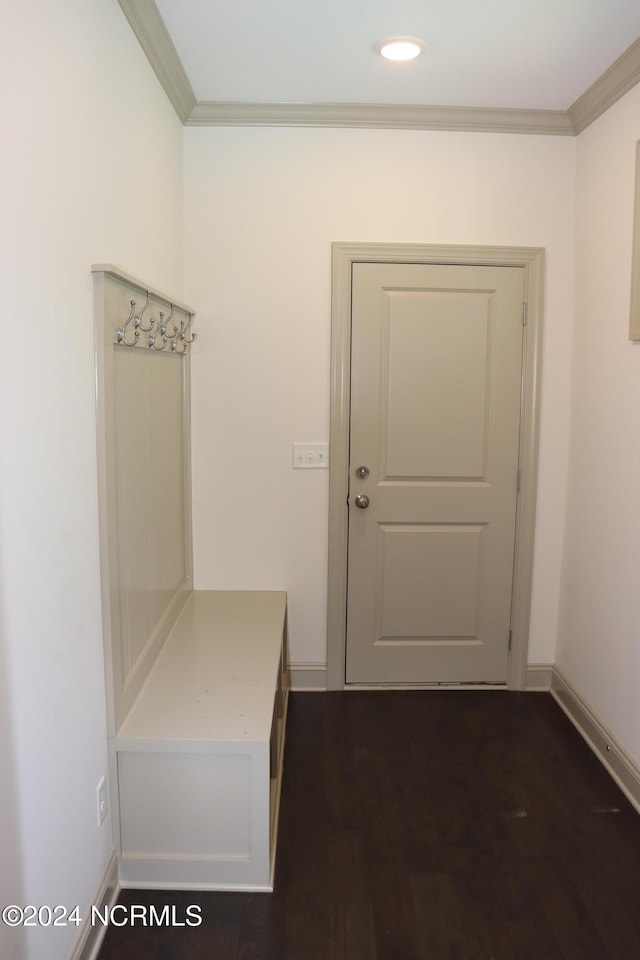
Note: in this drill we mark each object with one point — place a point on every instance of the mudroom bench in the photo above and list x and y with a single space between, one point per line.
196 683
199 757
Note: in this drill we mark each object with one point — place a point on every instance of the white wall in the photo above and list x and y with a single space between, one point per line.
598 645
262 207
91 163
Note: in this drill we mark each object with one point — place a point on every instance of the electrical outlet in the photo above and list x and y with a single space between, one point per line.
310 456
101 800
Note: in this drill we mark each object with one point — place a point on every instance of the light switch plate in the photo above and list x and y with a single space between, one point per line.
310 456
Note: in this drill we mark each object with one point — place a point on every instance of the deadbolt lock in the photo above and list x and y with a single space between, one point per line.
362 473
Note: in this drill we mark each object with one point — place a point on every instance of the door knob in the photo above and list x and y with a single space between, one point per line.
362 501
362 473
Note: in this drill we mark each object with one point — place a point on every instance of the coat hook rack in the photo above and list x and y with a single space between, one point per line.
157 328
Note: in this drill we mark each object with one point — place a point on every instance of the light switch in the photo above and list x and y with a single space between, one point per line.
310 456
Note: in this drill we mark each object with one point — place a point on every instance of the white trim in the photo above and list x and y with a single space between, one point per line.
613 84
634 306
379 115
90 937
609 751
128 278
202 887
153 36
308 676
539 676
344 256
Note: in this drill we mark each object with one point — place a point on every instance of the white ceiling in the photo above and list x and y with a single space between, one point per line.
537 54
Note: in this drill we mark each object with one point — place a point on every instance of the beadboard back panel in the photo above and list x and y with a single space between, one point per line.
142 384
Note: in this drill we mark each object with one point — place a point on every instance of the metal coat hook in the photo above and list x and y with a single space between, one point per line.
179 339
122 332
185 332
162 331
176 329
141 314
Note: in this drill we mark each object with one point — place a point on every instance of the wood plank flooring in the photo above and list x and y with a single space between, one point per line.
425 825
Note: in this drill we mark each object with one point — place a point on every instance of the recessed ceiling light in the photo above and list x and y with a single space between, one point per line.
400 48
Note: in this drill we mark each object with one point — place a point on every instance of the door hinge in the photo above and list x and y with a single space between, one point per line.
518 482
510 638
524 313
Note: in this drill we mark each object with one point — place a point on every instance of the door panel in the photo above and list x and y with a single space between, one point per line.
435 413
429 582
424 329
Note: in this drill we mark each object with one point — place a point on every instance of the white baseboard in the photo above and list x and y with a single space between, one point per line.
539 676
308 676
605 746
91 935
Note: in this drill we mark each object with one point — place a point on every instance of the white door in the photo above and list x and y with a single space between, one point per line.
435 421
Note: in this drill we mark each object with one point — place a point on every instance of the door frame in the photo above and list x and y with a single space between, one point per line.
344 255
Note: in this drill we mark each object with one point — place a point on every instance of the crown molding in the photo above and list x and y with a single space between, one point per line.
153 36
149 28
388 116
621 76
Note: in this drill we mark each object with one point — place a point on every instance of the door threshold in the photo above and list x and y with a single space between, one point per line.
444 685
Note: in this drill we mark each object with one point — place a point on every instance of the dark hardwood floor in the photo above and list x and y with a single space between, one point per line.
427 826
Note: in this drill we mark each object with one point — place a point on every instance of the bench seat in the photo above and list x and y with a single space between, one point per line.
199 756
